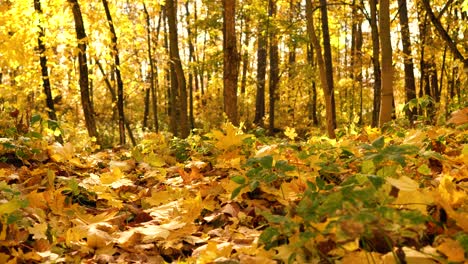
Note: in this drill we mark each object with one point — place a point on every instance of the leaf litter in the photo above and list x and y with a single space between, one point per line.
232 197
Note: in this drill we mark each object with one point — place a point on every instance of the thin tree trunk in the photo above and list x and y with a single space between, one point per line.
44 71
245 56
261 73
322 71
274 66
313 99
152 90
410 87
83 69
192 59
179 72
120 89
387 67
375 62
230 61
328 62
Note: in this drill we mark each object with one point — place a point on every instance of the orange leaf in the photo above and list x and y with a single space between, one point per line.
453 250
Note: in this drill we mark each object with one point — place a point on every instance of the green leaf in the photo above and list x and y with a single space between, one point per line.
238 179
376 181
367 167
424 170
266 162
236 191
320 183
34 134
35 118
284 166
254 185
379 143
462 238
269 234
387 171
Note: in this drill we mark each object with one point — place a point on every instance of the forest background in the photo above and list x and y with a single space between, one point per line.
146 67
237 131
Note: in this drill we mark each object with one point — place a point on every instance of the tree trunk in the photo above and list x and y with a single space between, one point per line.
356 59
322 71
245 56
261 73
375 61
230 61
193 60
328 64
313 98
179 72
44 71
410 87
387 67
120 91
153 78
274 66
83 69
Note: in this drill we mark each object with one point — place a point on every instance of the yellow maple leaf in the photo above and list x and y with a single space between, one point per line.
290 133
61 153
404 183
96 238
38 230
416 200
232 137
448 191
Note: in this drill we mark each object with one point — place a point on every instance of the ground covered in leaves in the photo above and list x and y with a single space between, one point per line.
233 197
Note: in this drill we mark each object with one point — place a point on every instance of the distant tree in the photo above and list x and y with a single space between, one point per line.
329 105
230 61
120 90
151 92
274 65
410 87
178 70
375 62
387 64
44 69
83 69
261 73
328 63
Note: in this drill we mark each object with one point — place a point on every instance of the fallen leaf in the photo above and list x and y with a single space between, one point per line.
452 249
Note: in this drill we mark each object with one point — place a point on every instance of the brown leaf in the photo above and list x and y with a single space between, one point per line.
459 117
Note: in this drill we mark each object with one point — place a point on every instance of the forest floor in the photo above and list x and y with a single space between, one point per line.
233 197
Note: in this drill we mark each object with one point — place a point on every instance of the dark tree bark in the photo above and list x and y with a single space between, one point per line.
44 70
114 100
313 97
328 60
230 61
120 89
410 87
375 62
274 66
427 65
152 91
356 59
83 69
261 73
329 105
179 72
